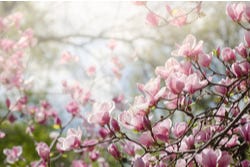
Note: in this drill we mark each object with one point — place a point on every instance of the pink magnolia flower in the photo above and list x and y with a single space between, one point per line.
6 45
189 141
113 150
13 154
171 102
189 48
152 90
14 19
12 118
118 99
40 116
94 155
213 158
241 69
149 159
245 163
43 150
176 82
2 134
245 131
115 125
162 130
141 104
171 65
241 50
104 132
237 70
152 19
179 129
139 163
233 141
230 142
101 113
193 83
220 113
132 119
203 135
186 67
228 55
235 11
27 39
129 148
247 38
205 59
91 70
7 103
67 57
73 108
146 139
44 112
71 141
77 92
222 90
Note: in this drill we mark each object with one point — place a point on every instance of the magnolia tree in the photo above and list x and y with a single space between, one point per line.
149 132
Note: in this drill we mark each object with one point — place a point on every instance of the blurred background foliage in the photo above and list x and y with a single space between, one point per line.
16 136
85 29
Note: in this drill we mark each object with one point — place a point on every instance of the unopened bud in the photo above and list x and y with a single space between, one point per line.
7 102
115 125
113 150
146 123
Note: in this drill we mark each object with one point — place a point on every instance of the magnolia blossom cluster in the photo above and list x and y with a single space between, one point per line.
77 92
164 126
176 16
13 51
238 11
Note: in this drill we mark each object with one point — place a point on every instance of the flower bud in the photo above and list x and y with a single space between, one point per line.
218 52
228 55
205 59
237 70
146 123
73 108
94 155
7 103
104 132
115 125
43 150
241 50
179 129
113 150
